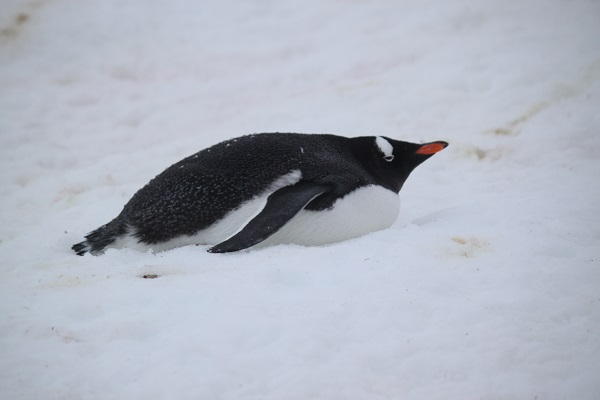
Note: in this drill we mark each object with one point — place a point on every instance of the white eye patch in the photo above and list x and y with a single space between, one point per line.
385 147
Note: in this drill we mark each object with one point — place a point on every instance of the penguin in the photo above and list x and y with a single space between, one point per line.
265 189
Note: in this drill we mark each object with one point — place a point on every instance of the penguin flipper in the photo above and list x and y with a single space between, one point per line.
282 205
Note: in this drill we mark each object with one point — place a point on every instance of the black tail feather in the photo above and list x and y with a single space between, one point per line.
97 240
81 248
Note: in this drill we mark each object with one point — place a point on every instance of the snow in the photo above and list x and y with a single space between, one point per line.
486 287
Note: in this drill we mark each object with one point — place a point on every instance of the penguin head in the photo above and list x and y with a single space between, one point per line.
391 161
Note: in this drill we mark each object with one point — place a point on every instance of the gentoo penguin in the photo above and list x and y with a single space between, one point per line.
265 189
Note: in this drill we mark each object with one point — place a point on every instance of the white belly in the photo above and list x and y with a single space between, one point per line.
367 209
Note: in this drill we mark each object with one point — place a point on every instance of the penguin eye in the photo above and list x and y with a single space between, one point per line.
385 147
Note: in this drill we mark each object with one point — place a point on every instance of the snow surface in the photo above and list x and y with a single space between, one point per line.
486 287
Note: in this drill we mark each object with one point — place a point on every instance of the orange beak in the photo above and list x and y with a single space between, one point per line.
431 148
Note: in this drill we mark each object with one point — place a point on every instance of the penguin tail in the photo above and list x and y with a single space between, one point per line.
96 241
81 248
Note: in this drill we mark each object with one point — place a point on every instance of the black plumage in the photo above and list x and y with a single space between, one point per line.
201 189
